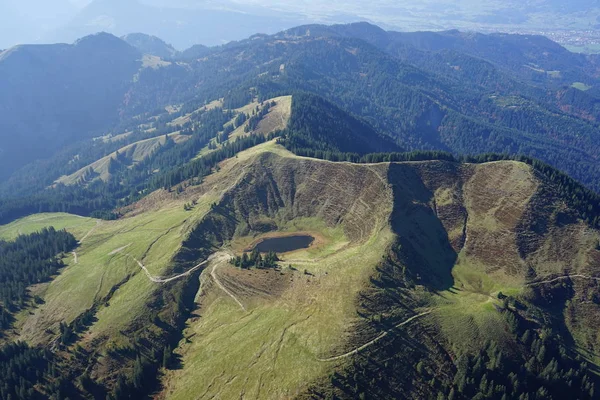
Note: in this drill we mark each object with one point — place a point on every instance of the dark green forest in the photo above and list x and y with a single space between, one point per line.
30 259
27 260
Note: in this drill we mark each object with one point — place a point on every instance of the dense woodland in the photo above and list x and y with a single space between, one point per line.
320 126
27 260
21 368
30 259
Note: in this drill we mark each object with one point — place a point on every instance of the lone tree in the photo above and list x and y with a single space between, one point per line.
167 354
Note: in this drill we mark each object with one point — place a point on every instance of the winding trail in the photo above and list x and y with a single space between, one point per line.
115 251
220 285
75 260
563 277
219 258
89 232
377 339
160 279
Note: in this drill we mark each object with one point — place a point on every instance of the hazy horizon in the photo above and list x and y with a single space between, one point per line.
186 22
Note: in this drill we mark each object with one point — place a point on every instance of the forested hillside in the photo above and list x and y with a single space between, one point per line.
52 95
457 103
99 178
318 125
152 45
462 93
443 91
28 260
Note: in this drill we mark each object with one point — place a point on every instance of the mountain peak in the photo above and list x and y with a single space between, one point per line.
149 44
105 42
363 26
96 38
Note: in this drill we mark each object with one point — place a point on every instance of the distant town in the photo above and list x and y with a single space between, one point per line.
587 41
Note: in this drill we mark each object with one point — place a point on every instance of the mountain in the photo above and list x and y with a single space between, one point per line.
536 59
147 44
426 91
395 266
440 100
93 176
415 288
446 91
316 124
196 51
423 278
183 27
419 241
51 95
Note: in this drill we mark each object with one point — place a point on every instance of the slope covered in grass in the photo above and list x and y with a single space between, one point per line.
125 156
75 224
418 272
455 244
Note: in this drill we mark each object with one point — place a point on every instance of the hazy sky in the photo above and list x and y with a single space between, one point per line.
28 21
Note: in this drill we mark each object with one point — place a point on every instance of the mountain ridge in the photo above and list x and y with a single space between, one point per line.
428 268
148 44
449 100
392 238
64 74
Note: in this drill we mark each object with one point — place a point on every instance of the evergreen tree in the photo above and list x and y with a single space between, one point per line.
166 359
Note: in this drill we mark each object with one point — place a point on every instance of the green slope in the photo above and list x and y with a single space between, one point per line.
417 268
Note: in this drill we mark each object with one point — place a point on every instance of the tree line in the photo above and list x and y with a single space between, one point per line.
585 201
256 260
28 260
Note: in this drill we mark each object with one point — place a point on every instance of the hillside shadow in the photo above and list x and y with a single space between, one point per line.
423 246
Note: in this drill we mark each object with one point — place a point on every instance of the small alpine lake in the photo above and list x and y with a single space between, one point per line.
284 244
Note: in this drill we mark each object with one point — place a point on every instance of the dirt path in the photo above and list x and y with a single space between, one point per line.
219 258
160 279
218 282
82 239
115 251
563 278
384 334
89 233
372 342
